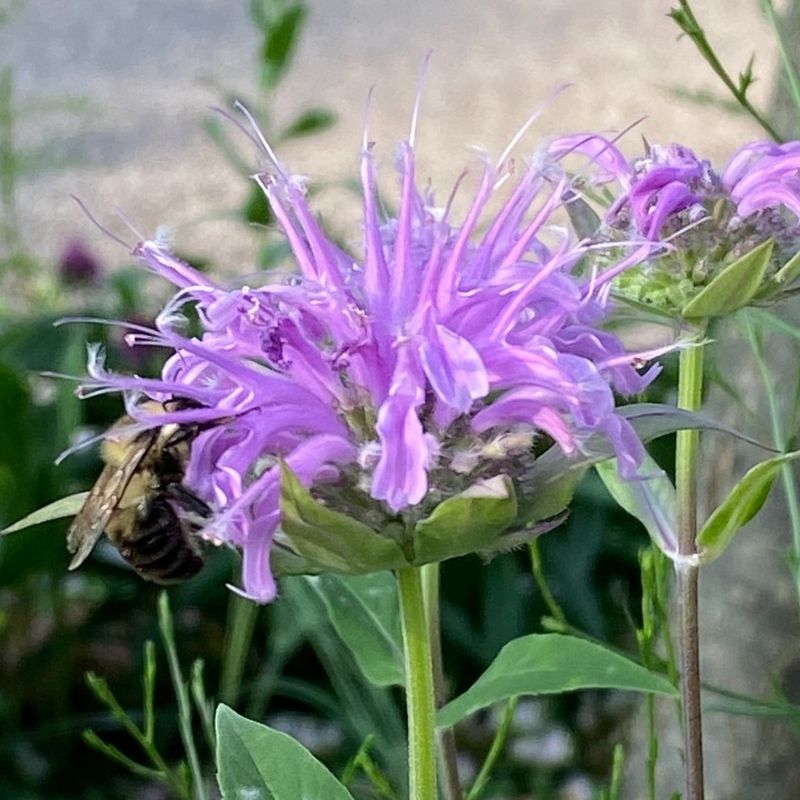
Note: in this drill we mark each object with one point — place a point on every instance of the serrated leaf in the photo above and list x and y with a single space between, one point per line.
256 762
734 287
739 507
329 540
650 497
468 522
64 507
364 611
551 664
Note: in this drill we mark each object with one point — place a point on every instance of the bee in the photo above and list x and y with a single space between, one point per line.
140 503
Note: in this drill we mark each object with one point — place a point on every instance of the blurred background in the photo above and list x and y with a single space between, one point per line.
110 103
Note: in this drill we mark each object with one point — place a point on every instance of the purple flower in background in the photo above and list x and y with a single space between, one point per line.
709 218
670 187
443 351
660 193
764 175
78 265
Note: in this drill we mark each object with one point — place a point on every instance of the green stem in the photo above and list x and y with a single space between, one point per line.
420 702
687 22
541 582
242 615
690 389
182 696
781 442
498 743
448 755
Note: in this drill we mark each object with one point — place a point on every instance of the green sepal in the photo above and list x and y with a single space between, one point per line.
329 540
468 522
67 506
782 279
734 287
742 503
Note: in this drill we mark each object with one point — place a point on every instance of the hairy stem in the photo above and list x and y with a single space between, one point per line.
420 703
690 388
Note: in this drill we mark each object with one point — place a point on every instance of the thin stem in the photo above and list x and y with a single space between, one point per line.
448 755
498 743
687 22
780 440
420 701
242 615
690 389
541 582
182 695
788 65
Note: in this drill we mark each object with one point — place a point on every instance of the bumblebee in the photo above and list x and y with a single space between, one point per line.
140 503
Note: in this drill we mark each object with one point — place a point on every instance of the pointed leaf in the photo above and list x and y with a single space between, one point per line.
256 762
365 613
585 220
650 498
67 506
551 483
279 43
734 287
784 277
789 271
330 540
739 507
550 664
314 120
468 522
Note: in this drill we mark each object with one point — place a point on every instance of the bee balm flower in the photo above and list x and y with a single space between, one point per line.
446 353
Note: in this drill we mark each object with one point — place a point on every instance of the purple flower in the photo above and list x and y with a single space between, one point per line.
764 175
396 372
660 193
78 265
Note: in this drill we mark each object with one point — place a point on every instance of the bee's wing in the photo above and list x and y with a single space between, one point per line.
103 499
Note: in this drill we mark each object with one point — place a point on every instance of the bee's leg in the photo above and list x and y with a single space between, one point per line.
187 499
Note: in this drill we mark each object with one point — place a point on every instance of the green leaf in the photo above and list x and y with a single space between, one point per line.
329 540
584 219
279 42
64 507
550 484
789 272
650 497
467 522
314 120
365 613
550 664
739 507
733 288
256 762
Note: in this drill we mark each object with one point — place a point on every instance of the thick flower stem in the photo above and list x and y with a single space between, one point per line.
448 756
690 388
420 703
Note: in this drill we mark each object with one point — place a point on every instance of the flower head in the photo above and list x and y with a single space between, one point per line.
446 352
710 218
